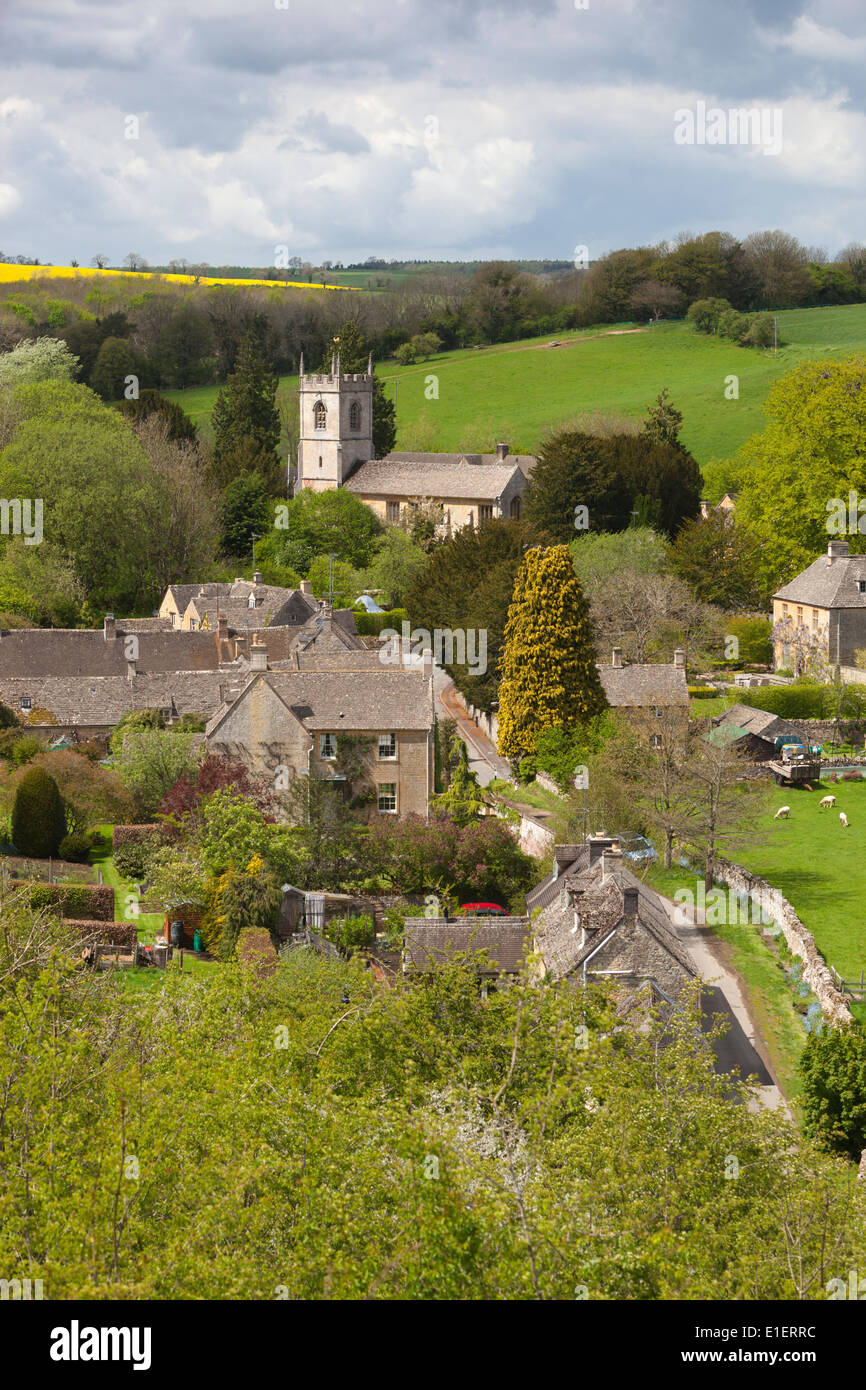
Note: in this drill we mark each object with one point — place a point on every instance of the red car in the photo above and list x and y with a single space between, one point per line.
483 910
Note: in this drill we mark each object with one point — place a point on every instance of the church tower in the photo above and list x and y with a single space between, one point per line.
336 425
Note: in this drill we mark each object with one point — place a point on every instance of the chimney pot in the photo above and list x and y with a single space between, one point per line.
502 452
680 658
258 656
616 656
257 577
597 846
306 586
837 550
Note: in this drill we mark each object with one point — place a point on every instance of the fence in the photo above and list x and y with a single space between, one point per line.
852 987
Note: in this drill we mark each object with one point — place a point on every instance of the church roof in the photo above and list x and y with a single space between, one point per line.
459 476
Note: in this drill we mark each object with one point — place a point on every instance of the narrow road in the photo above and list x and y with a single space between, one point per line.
742 1045
483 757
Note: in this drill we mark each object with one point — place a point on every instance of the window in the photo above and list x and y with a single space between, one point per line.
328 746
515 508
485 511
861 585
784 610
392 511
193 624
26 702
354 416
814 617
799 617
388 796
173 617
655 740
387 746
320 460
319 415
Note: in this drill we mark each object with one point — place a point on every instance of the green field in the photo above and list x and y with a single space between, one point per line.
819 866
517 391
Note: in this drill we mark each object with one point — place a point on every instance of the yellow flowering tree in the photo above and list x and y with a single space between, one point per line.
549 676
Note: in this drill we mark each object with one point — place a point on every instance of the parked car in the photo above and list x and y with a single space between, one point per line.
483 910
638 847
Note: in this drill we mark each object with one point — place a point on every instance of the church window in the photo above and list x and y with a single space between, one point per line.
319 415
485 511
354 416
515 508
320 460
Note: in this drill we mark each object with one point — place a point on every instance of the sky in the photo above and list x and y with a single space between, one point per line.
223 130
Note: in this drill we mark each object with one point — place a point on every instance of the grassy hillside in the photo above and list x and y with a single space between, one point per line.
516 391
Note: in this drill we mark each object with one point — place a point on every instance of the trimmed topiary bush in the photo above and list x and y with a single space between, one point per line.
75 848
38 816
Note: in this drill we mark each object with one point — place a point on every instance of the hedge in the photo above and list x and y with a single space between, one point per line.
806 701
106 933
702 692
132 834
371 624
76 901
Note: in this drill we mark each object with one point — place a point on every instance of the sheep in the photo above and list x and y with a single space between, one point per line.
826 802
843 818
782 811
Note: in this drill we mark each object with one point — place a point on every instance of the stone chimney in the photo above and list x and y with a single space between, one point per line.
306 587
837 550
629 902
616 656
680 659
427 660
563 855
109 629
501 452
258 655
611 860
597 846
257 577
223 627
131 670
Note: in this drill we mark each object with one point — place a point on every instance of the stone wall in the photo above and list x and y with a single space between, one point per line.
821 730
800 940
487 722
535 839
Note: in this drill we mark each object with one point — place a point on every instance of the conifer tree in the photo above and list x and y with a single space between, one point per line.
463 799
38 815
548 665
246 421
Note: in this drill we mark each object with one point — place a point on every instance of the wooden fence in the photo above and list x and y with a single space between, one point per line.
856 989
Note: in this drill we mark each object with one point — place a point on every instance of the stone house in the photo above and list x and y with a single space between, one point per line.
822 614
429 941
287 721
603 923
336 450
647 690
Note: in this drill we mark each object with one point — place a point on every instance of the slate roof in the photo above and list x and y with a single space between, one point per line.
826 585
85 652
458 476
328 700
641 684
549 889
601 911
762 723
103 700
431 940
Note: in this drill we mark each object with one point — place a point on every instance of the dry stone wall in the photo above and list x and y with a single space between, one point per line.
801 942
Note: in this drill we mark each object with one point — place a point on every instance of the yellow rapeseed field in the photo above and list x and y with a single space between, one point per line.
28 272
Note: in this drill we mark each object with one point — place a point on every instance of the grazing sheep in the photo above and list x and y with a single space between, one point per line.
843 818
782 811
826 802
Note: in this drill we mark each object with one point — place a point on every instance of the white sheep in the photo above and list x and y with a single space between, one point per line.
826 802
843 818
782 811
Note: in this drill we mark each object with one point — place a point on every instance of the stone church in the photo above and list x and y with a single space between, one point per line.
336 450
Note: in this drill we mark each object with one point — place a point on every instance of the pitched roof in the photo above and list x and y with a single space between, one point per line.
549 889
458 476
87 652
601 912
760 722
103 700
828 585
431 940
644 684
328 700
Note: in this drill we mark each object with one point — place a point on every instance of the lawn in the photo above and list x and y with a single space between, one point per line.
518 391
820 867
148 923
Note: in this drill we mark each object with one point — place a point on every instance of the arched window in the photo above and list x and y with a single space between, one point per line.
354 416
319 415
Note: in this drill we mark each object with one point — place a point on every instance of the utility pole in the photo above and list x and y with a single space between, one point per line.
775 335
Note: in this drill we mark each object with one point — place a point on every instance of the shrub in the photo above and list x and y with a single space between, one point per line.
702 692
24 748
133 861
75 848
852 776
371 624
38 815
76 901
349 933
132 834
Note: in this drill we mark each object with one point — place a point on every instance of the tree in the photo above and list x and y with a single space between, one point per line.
576 469
245 513
114 363
833 1068
781 267
245 413
655 299
45 359
599 555
396 563
148 403
183 801
719 559
38 815
133 261
463 800
549 675
663 478
333 522
704 314
722 810
152 761
100 261
663 421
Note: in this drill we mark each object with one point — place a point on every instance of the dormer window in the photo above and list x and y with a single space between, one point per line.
861 585
354 416
319 415
26 702
251 601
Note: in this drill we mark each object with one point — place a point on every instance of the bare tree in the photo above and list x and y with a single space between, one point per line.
100 261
